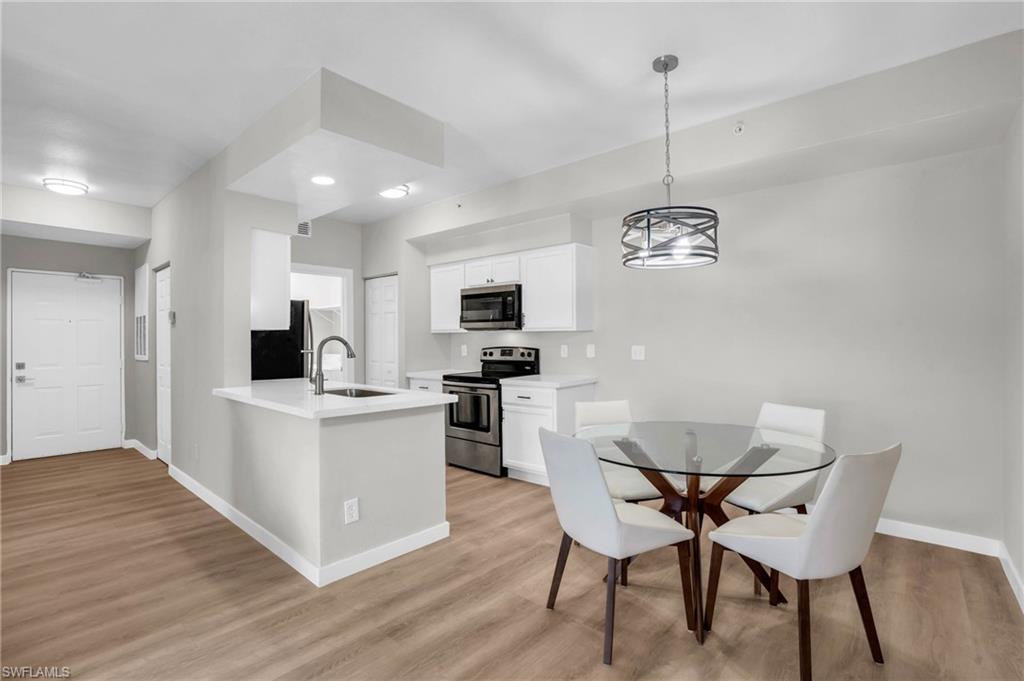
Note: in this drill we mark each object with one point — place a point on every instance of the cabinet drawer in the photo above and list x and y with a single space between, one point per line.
533 397
425 385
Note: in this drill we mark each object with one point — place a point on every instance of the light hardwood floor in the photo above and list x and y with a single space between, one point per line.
113 569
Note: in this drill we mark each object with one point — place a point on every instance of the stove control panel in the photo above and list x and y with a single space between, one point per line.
509 353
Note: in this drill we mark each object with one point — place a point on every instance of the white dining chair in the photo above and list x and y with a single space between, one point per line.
831 541
613 417
589 515
782 423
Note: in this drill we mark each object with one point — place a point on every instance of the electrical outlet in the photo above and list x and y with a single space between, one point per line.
351 510
564 350
464 349
591 351
638 352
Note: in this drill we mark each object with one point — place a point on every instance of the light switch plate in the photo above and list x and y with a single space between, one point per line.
464 349
351 510
638 352
564 350
591 351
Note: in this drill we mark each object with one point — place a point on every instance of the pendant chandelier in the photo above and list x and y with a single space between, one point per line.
670 236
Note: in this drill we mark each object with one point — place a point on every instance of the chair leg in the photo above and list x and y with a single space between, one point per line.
861 591
624 572
773 594
683 551
757 584
609 610
716 572
801 509
556 579
804 623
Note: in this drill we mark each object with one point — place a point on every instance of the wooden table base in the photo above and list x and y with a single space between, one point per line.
708 504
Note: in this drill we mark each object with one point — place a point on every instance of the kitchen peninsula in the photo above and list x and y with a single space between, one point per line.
335 484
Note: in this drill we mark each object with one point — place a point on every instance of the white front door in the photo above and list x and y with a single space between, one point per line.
163 365
66 362
382 331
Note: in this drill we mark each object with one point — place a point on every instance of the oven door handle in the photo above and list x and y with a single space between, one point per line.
479 387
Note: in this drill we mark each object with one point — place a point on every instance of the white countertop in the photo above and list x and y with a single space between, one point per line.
295 396
556 381
431 374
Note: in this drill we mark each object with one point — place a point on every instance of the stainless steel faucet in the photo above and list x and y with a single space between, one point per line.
318 377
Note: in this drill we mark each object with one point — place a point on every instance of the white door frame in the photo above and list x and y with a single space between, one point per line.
156 355
9 355
348 279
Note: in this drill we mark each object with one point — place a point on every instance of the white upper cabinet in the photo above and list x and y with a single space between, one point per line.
446 283
558 288
270 281
498 270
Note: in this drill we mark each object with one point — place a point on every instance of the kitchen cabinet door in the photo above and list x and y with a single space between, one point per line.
504 269
548 289
478 272
520 438
270 281
446 283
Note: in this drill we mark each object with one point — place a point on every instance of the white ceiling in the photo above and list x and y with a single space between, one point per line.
131 98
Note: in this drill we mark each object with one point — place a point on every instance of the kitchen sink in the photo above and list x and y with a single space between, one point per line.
355 392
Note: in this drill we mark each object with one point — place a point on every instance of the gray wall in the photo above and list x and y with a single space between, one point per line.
338 244
1013 479
57 256
874 295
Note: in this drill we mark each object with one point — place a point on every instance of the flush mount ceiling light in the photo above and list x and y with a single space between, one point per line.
322 180
399 192
69 187
669 236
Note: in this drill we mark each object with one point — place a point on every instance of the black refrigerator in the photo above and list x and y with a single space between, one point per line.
278 354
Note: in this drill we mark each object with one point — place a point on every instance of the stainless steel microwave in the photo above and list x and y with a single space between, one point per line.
492 307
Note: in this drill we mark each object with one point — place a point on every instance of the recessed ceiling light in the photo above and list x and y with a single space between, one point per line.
322 180
398 192
69 187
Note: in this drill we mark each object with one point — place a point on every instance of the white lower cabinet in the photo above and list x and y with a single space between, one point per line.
525 411
521 444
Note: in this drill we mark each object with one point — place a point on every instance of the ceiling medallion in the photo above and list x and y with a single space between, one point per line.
669 236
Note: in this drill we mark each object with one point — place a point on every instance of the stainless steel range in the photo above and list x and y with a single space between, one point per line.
473 424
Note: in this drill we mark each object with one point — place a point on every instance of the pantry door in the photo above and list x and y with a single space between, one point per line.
66 363
382 331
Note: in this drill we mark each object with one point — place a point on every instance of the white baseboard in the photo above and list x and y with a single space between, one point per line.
1012 575
332 572
140 448
5 459
528 476
935 535
319 576
299 563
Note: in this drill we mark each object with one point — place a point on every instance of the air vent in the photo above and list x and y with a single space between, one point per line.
304 229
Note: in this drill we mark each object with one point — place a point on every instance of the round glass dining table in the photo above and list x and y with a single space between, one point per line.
696 466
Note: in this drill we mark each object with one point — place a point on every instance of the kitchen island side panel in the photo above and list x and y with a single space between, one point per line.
393 462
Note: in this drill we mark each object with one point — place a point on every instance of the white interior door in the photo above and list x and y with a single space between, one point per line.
66 360
382 331
163 365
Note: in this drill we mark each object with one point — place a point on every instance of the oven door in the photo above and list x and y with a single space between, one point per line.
492 307
477 414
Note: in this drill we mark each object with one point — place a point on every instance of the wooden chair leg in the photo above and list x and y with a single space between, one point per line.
757 584
716 572
804 623
773 594
556 579
683 551
609 610
864 605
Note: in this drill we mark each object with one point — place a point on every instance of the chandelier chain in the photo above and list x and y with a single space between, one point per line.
668 179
